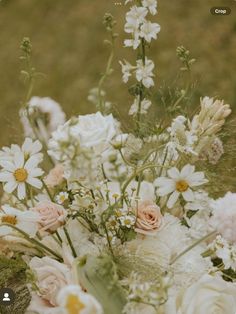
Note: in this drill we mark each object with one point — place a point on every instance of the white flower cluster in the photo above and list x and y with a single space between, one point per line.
143 72
143 31
130 209
224 250
138 26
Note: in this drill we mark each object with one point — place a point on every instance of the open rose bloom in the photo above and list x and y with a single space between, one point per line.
105 215
149 218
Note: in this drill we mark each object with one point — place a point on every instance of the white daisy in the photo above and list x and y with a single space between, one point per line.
18 172
32 148
26 221
72 299
29 148
127 221
180 183
62 197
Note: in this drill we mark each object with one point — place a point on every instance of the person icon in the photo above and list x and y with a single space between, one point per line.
6 297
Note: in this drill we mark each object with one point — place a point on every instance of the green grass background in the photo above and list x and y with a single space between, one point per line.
67 37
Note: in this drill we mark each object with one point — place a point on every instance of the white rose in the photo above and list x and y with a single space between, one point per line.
96 130
209 295
51 275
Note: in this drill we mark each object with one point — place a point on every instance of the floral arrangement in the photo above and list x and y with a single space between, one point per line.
108 220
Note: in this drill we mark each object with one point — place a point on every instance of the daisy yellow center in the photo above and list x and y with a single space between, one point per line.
74 305
182 186
9 220
127 222
21 175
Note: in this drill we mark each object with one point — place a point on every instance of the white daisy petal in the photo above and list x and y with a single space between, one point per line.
37 172
187 170
188 195
21 191
173 199
173 173
32 162
10 186
5 176
19 160
166 189
162 181
7 165
197 179
34 182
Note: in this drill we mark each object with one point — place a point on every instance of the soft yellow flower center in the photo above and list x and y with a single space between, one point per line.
9 220
127 222
74 305
182 186
21 175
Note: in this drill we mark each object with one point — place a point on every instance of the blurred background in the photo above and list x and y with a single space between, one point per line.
67 38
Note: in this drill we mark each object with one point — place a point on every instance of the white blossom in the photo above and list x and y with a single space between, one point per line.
149 31
144 72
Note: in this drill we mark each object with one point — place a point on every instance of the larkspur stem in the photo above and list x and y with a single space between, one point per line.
192 246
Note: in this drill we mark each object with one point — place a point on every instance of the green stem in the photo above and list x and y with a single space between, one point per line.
33 241
47 190
192 246
139 171
70 242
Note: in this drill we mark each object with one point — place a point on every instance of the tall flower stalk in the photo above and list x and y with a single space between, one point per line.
142 32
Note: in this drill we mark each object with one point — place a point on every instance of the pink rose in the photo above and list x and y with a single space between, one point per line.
149 218
55 176
52 216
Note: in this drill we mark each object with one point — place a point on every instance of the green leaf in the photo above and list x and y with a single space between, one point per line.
98 276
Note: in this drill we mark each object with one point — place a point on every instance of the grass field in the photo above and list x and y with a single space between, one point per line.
67 37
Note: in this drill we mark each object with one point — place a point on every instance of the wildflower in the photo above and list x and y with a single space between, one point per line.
126 70
127 221
62 197
149 31
211 117
134 18
144 72
19 172
144 106
151 5
73 300
180 183
26 221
